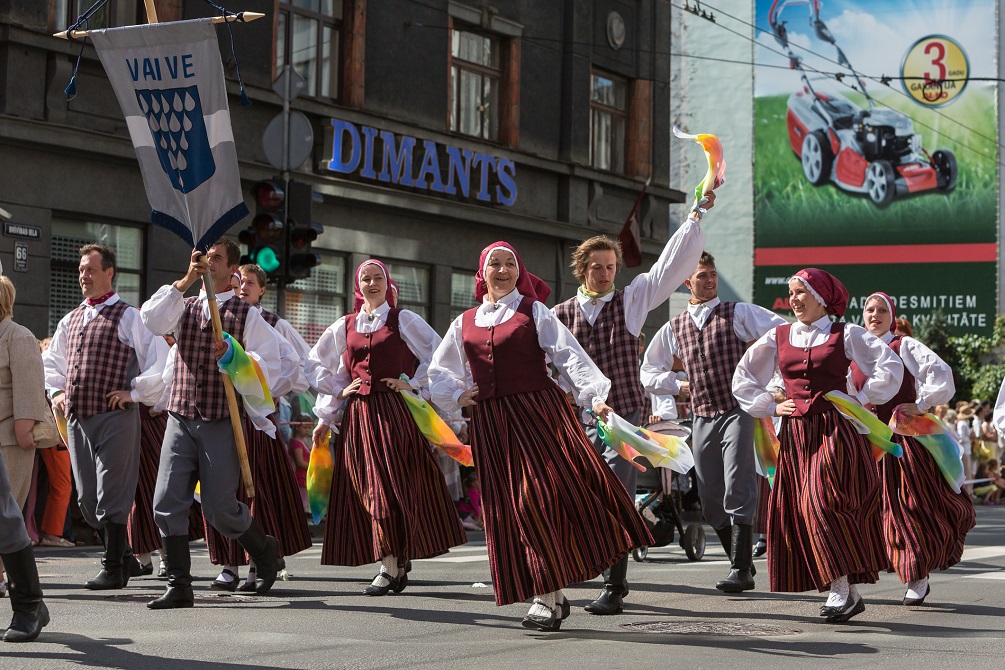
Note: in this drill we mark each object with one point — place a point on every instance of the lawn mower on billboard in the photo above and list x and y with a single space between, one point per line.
872 151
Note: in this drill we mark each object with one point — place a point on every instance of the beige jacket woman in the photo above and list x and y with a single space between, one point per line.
22 396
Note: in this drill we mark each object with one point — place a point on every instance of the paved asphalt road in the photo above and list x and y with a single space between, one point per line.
446 618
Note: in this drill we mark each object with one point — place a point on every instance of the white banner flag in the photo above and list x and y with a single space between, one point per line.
168 79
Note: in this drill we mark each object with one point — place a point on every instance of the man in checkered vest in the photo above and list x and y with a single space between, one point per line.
709 339
199 440
607 321
103 361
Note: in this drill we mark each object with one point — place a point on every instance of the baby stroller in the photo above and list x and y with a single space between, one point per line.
660 505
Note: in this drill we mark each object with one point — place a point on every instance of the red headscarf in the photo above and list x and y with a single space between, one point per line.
389 296
889 305
826 288
394 293
526 283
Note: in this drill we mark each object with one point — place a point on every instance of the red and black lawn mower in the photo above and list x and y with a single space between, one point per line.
872 151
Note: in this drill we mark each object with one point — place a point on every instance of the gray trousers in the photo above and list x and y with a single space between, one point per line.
723 449
13 534
199 450
626 473
105 457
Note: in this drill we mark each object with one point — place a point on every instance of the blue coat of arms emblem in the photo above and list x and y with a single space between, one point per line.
179 132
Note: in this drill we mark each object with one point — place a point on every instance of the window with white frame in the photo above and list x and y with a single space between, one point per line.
314 303
68 237
608 119
462 292
413 287
309 37
475 76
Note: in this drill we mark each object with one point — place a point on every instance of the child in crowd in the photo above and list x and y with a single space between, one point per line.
300 453
470 506
991 491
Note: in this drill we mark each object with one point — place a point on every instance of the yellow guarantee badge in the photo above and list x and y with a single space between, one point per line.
935 70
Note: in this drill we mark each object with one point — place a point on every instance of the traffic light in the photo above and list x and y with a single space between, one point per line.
264 237
302 231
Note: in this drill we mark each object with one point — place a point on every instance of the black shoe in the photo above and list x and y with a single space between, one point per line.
610 601
264 550
761 548
114 573
224 585
25 627
736 581
850 609
741 573
179 565
545 624
393 584
145 569
30 613
565 608
918 601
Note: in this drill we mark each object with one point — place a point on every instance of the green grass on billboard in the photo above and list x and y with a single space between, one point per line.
791 212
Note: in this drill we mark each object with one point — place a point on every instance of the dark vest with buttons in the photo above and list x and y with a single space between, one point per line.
506 359
197 384
97 362
906 393
810 372
710 355
371 357
612 348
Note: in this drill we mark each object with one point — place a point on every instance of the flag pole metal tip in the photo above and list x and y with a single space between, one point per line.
241 17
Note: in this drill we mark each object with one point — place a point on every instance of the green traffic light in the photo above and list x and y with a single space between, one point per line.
267 260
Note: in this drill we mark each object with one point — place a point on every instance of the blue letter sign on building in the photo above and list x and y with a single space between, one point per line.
403 160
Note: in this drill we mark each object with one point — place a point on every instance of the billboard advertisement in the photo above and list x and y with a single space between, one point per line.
876 153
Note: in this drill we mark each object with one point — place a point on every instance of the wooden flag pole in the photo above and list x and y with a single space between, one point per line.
242 17
228 386
214 313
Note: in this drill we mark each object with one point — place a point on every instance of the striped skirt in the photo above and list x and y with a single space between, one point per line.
143 534
824 510
555 514
276 506
925 523
761 514
388 495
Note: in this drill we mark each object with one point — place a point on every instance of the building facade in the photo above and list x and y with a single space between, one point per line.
438 127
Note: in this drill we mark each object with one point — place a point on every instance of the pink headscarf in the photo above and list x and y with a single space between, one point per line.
389 296
826 288
889 305
526 283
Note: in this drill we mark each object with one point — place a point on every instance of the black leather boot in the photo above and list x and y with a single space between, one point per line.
179 574
113 573
611 599
264 549
725 535
741 577
30 613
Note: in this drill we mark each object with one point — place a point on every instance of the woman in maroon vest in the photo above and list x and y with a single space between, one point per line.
925 522
388 502
554 512
823 515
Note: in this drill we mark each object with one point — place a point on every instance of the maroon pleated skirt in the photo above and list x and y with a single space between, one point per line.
388 495
276 506
143 534
824 511
925 522
554 512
